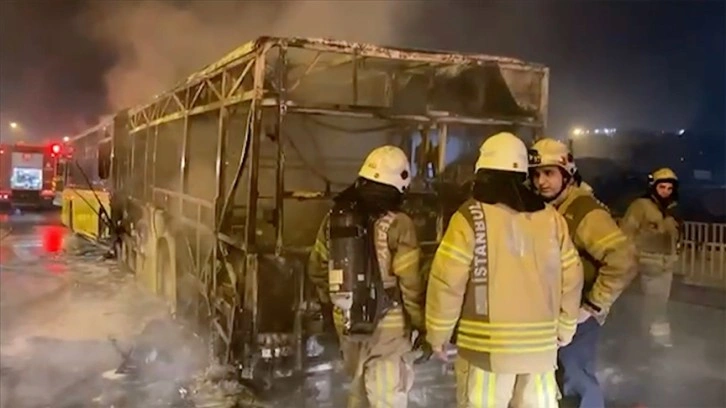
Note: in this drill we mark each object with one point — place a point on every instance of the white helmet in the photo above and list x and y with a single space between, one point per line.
387 165
503 151
551 152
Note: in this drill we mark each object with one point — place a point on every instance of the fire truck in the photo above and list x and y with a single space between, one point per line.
29 175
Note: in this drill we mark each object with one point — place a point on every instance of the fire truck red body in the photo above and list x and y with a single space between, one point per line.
28 175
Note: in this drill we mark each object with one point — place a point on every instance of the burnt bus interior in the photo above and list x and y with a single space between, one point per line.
87 158
243 158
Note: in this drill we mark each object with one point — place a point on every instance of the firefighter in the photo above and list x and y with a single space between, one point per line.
608 257
379 360
506 283
653 223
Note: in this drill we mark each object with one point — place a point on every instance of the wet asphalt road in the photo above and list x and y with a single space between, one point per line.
29 271
58 312
36 285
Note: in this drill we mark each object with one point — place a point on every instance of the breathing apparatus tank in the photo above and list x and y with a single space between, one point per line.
355 282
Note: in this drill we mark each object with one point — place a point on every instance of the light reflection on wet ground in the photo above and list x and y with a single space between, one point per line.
690 374
58 313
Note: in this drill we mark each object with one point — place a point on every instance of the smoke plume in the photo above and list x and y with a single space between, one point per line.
159 42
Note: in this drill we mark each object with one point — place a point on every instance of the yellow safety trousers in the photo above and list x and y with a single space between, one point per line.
378 381
380 368
656 279
476 388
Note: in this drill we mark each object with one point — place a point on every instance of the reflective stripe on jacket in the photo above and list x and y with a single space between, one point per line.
506 285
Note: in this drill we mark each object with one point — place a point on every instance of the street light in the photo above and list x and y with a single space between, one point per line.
577 131
66 139
13 125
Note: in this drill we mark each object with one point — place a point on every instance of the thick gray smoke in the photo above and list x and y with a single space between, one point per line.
158 42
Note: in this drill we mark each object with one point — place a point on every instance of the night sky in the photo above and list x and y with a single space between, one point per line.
651 64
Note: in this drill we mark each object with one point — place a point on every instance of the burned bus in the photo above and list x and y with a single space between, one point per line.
222 181
85 199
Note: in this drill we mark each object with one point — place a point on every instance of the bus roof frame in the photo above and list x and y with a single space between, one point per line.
176 103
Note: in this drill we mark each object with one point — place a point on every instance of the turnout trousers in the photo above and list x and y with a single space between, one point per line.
477 388
381 371
577 367
656 278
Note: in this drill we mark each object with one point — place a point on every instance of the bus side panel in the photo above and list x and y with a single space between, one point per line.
80 212
66 209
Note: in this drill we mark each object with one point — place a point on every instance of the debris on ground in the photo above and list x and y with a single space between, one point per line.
77 246
59 353
165 366
217 387
104 342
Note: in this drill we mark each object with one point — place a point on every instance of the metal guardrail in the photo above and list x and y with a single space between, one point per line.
703 255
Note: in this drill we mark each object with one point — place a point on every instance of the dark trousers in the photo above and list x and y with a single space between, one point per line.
577 367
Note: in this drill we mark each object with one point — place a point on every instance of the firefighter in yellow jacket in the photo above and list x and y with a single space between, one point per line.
376 348
653 223
608 257
506 283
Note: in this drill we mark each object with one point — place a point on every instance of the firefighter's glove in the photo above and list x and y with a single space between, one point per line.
563 343
422 348
326 310
584 315
441 354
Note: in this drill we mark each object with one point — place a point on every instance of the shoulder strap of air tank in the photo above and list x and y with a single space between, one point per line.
473 212
579 208
384 256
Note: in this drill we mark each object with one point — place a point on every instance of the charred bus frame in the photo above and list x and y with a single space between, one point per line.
247 78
